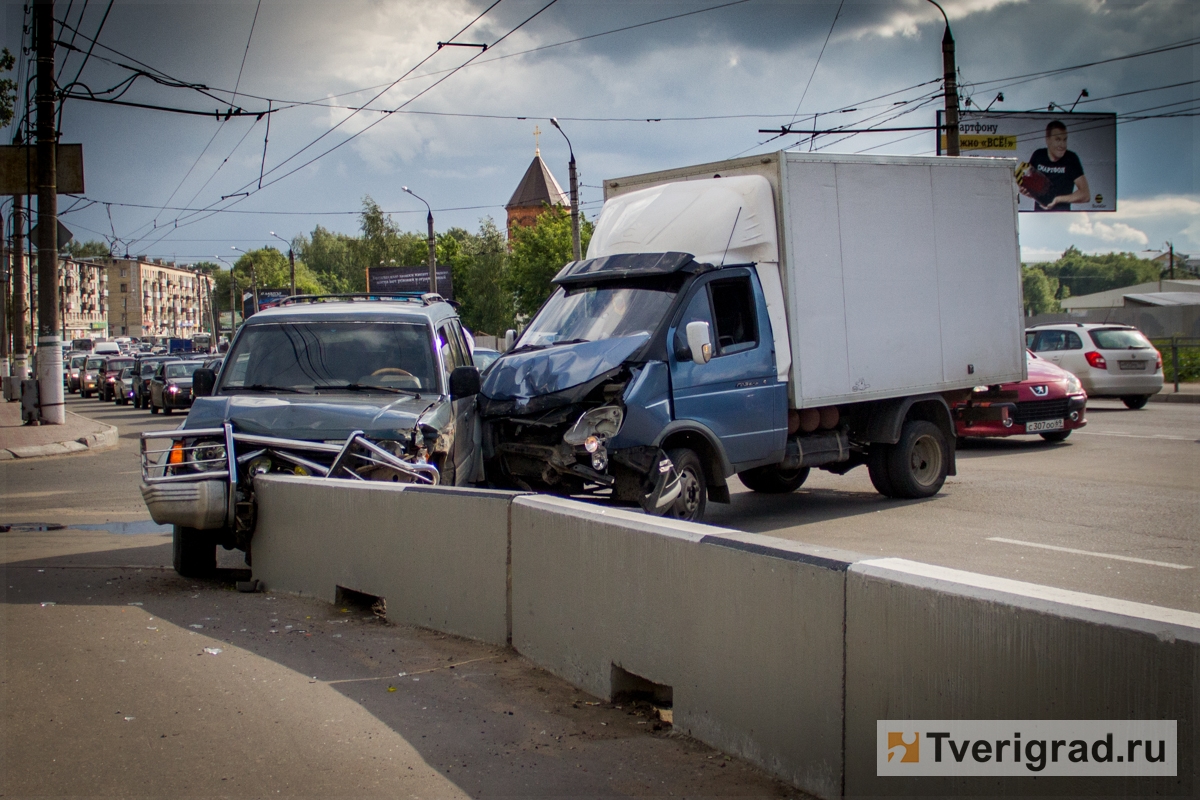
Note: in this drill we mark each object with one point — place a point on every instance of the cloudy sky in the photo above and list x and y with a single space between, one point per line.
637 85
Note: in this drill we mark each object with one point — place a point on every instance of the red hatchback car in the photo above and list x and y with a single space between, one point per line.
1050 403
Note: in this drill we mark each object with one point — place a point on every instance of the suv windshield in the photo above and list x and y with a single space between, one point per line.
95 363
592 313
1119 339
302 356
182 369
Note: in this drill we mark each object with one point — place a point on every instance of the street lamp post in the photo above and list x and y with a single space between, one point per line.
253 276
433 282
576 250
291 259
232 297
950 87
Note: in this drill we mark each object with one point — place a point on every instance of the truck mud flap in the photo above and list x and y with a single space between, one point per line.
666 487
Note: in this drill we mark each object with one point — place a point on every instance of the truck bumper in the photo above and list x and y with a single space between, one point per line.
189 504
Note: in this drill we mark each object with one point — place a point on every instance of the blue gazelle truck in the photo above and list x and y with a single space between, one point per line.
760 317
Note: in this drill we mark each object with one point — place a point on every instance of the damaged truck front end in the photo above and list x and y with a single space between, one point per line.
579 405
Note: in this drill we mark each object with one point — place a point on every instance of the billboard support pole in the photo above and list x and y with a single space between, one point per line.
950 86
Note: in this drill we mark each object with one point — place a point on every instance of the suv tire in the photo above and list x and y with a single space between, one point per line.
773 480
193 552
1135 401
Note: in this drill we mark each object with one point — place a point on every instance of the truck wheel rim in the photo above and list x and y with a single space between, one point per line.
926 460
689 495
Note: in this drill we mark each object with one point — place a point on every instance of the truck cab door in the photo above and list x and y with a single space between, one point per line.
737 394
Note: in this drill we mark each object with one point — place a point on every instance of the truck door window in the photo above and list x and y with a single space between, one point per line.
733 308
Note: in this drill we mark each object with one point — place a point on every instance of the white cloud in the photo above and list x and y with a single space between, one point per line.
907 18
1116 232
1166 205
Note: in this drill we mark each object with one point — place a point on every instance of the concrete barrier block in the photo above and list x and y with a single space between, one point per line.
931 643
438 556
746 630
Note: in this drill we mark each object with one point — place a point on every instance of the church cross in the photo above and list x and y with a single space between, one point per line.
537 150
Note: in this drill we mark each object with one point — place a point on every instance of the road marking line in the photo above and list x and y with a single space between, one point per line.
1139 436
1167 564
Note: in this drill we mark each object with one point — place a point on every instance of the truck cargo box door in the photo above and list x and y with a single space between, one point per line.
737 394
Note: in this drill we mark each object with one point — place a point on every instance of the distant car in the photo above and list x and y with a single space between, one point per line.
106 349
108 376
89 380
171 386
146 366
1109 360
123 387
75 366
484 357
1050 403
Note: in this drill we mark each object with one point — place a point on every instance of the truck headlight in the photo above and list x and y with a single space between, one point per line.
597 425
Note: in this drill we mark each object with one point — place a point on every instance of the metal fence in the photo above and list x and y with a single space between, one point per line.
1181 358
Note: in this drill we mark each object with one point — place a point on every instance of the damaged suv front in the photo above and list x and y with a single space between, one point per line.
576 406
351 388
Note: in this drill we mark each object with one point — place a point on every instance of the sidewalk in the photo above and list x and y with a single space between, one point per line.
78 435
1188 393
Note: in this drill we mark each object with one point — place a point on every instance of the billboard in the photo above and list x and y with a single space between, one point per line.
409 279
267 298
1068 161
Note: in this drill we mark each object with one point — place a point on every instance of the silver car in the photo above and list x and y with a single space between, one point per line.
1109 360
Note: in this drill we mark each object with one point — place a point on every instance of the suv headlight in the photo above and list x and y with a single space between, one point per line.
207 455
595 426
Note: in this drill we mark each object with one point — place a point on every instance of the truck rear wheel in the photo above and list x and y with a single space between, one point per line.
917 464
693 490
773 480
193 552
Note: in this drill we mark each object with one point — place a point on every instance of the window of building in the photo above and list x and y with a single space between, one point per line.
124 287
124 272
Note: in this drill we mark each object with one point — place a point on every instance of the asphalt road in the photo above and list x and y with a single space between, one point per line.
121 678
1113 511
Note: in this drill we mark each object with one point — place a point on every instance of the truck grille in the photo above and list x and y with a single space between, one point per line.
1036 410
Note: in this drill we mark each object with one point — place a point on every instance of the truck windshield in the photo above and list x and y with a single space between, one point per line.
593 313
303 356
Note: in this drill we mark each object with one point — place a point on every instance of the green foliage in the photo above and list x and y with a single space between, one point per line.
1084 274
1189 360
271 270
1040 291
8 93
539 251
333 258
480 268
207 267
92 249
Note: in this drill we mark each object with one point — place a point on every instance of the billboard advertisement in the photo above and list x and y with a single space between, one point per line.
409 279
267 298
1068 161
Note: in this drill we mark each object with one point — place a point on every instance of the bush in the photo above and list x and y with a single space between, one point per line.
1189 360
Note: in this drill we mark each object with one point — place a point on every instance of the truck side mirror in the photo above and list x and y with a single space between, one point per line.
699 340
464 382
203 381
510 338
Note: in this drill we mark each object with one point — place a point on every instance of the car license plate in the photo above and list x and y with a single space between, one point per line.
1132 364
1044 425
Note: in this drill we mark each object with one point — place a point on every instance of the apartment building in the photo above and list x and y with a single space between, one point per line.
151 297
83 287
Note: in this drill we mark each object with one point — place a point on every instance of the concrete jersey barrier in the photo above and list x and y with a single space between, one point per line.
785 654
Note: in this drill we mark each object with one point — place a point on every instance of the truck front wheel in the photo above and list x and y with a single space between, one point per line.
773 480
915 466
693 490
193 552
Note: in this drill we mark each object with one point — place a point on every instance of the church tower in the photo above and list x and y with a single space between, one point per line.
535 191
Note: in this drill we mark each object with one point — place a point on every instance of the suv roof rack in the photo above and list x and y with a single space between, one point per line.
424 298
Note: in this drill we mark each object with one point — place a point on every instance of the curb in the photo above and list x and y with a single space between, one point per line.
105 439
1175 397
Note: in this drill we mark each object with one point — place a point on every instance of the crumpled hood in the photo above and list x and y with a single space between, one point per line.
312 418
534 373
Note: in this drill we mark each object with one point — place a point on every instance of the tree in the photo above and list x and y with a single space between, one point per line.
333 258
539 251
1078 273
270 269
1040 290
8 93
92 249
481 280
207 267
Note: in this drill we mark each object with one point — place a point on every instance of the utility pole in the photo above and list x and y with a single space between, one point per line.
1171 246
5 279
291 259
576 250
20 346
950 81
49 355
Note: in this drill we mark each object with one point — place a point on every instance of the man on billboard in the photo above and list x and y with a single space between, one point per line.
1055 178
